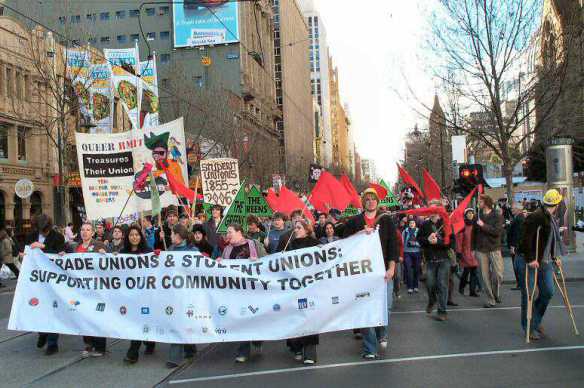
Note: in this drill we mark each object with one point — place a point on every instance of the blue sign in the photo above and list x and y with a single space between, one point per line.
205 22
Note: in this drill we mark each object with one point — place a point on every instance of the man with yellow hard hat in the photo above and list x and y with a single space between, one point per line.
540 245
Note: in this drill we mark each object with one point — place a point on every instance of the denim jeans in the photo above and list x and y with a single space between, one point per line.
372 335
437 283
178 352
52 339
545 285
244 348
413 268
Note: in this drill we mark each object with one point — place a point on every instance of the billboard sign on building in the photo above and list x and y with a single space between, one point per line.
205 22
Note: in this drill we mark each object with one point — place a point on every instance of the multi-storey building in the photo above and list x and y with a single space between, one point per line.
319 66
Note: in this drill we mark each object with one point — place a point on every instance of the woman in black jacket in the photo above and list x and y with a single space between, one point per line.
135 244
304 348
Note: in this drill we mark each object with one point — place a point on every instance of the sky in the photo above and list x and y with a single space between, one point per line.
378 46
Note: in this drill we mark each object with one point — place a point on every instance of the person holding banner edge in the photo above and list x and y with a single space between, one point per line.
134 244
367 221
44 237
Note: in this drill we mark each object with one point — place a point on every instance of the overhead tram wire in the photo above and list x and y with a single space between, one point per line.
99 55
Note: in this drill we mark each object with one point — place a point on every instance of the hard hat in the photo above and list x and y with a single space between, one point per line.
370 190
552 197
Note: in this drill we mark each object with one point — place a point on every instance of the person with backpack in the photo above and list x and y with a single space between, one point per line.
412 256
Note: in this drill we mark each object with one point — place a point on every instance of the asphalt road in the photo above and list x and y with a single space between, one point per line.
476 347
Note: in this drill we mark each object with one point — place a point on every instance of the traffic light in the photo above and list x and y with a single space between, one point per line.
469 176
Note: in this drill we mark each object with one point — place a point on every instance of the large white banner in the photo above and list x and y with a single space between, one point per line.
149 108
125 69
183 297
110 163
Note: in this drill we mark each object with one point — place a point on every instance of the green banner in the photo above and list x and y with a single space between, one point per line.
350 212
256 203
236 212
390 199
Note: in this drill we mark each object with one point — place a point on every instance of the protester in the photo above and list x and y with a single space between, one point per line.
272 241
7 252
150 233
514 235
117 241
432 238
94 346
199 241
540 249
44 237
319 229
288 236
412 256
212 224
180 239
329 233
185 221
487 238
241 248
398 265
464 250
304 348
253 228
166 231
368 220
100 233
135 244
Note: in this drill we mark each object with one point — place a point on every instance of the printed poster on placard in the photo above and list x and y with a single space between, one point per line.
125 68
220 180
102 99
110 163
78 74
187 298
149 107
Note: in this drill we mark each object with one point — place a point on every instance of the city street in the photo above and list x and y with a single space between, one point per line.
478 346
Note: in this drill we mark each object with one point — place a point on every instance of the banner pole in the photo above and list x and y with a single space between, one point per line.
124 208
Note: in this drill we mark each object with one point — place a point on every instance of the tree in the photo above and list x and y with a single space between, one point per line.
486 51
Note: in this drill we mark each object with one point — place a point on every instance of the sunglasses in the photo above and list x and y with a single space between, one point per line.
159 152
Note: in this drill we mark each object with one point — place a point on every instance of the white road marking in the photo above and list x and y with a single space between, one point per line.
388 361
576 306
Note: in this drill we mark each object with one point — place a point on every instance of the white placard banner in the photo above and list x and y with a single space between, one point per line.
220 180
149 108
125 69
110 163
183 297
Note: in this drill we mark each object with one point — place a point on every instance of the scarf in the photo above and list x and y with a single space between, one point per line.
554 243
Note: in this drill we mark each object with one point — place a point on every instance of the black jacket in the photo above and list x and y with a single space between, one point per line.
487 238
438 251
539 219
305 242
387 234
54 242
515 229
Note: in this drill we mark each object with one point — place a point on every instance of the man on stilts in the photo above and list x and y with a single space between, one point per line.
540 245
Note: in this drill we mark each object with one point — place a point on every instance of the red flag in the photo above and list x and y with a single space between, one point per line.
289 201
408 180
177 187
428 211
355 198
457 216
431 188
272 199
380 190
329 193
140 181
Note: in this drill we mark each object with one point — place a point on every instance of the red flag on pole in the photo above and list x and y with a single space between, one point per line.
355 198
289 201
272 199
380 190
329 193
457 216
428 211
431 188
408 180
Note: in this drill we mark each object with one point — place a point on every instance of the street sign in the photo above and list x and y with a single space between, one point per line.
24 188
206 61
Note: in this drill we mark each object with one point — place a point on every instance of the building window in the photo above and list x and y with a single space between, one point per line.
122 38
150 11
164 10
90 17
21 133
104 16
198 80
134 37
104 39
165 83
75 19
150 35
62 19
134 13
164 35
19 86
92 40
164 58
3 142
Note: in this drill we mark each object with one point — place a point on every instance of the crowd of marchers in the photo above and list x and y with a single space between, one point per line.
415 249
